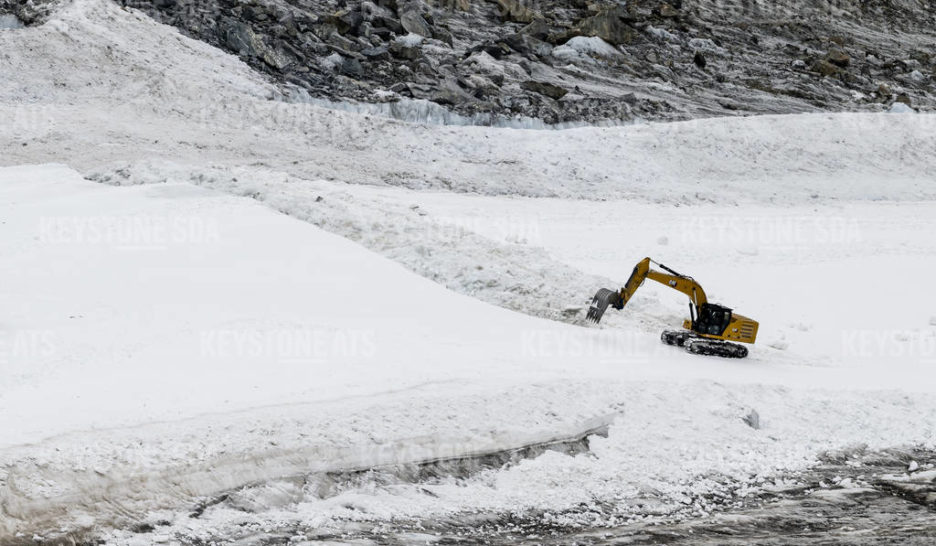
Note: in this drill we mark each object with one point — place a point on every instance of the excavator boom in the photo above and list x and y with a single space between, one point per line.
605 298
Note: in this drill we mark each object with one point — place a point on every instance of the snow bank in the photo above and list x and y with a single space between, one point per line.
257 347
164 303
94 50
152 93
445 248
581 47
900 108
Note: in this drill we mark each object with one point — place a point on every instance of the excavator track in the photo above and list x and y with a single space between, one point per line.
711 347
676 337
699 345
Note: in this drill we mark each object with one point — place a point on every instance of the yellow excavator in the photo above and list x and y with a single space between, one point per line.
711 328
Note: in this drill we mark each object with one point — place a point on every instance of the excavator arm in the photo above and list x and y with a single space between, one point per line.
683 283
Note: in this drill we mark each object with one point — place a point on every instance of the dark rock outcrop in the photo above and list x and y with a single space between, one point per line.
31 12
576 60
545 89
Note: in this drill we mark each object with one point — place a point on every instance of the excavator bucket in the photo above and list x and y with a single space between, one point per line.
603 298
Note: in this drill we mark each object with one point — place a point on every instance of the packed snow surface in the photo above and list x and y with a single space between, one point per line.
207 286
261 347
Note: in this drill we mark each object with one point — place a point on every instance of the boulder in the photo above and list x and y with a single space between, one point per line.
752 419
240 38
379 53
341 42
609 24
543 88
414 23
388 23
402 89
443 36
526 44
371 11
497 50
538 29
381 33
516 11
345 21
838 57
825 68
450 96
406 47
350 67
668 11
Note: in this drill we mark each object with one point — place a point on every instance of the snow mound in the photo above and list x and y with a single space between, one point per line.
94 50
509 270
584 47
901 108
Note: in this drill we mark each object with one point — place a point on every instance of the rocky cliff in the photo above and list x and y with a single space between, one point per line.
578 60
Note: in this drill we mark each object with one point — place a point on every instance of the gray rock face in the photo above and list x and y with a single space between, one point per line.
28 12
545 89
573 60
612 25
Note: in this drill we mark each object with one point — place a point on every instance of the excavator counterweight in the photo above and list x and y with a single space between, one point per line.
711 328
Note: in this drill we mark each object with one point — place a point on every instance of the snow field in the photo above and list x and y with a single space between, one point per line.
483 378
198 333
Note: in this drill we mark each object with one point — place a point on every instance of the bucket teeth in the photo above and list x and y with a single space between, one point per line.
603 298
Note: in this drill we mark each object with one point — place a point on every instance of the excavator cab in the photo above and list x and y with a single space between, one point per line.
712 319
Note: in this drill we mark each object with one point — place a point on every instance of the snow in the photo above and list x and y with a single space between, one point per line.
410 40
8 22
705 44
661 34
210 289
198 351
425 112
901 108
333 61
580 46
